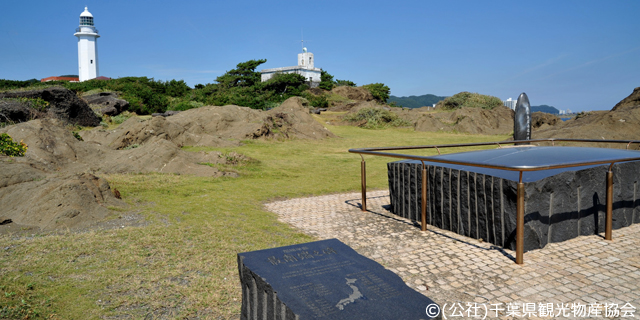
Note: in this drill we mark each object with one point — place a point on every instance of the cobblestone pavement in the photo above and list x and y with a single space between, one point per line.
582 274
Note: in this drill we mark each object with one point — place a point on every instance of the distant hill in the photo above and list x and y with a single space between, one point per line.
426 100
545 108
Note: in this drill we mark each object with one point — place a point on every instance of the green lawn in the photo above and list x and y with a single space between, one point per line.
183 264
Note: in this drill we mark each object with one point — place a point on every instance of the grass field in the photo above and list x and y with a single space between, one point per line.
183 263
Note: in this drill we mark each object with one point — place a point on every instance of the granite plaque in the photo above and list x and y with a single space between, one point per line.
522 119
324 280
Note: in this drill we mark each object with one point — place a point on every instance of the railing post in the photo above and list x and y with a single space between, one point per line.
520 223
425 185
609 218
363 178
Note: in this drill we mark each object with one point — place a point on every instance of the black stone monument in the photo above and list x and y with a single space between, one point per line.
560 204
324 280
522 119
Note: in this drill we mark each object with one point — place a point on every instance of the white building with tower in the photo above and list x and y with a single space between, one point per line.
87 47
305 68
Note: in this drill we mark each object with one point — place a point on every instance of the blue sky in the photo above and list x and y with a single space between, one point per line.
578 55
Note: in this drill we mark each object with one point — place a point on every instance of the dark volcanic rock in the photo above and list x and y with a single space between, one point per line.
108 103
64 104
165 114
541 118
15 111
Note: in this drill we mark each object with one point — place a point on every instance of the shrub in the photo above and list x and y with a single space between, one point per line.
375 118
10 148
35 103
326 81
182 105
121 117
15 84
345 83
77 135
469 100
379 91
319 101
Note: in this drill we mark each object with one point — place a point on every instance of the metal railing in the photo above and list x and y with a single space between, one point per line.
520 169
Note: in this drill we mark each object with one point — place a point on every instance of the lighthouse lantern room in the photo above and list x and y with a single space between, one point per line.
87 47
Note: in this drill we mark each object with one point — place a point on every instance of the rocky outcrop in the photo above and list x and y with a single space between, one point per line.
632 101
53 148
539 119
165 114
621 123
15 111
107 103
498 120
215 126
64 104
353 93
32 197
54 185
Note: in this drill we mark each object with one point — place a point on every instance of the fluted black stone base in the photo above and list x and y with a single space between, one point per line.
483 206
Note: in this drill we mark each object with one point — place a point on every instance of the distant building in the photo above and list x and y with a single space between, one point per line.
87 47
305 68
70 79
510 103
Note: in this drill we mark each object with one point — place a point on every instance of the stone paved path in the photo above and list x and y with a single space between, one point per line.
579 275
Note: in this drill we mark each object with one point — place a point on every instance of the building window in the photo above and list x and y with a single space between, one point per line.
91 61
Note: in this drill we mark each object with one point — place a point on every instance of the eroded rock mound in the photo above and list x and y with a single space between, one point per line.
107 103
632 101
215 126
31 197
296 121
353 93
64 104
540 119
621 123
15 111
498 120
53 148
54 185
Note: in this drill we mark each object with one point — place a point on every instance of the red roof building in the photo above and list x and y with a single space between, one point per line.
70 79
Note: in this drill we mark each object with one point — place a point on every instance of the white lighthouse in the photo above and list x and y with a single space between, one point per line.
87 47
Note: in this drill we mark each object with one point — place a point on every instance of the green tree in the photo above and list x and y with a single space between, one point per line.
345 83
326 81
175 88
288 84
244 75
379 91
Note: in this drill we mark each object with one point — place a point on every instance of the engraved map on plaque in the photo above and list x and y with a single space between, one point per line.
323 280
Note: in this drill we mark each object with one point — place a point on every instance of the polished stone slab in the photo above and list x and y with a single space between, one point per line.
323 280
